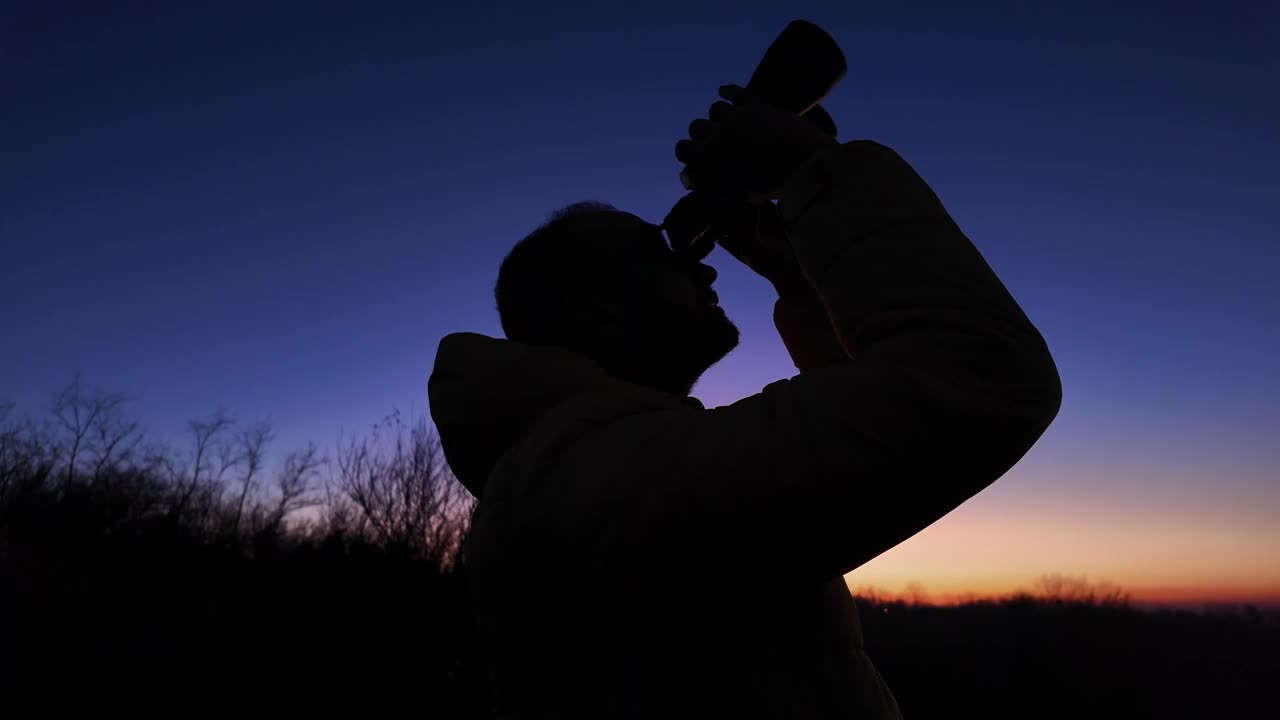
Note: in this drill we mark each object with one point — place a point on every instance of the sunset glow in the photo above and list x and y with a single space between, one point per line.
987 550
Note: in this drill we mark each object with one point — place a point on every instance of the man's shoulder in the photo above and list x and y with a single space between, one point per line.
593 431
584 453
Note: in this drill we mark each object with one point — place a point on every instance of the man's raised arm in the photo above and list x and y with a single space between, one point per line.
947 386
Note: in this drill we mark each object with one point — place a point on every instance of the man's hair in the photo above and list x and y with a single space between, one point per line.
535 275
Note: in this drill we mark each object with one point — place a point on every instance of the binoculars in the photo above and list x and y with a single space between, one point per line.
797 71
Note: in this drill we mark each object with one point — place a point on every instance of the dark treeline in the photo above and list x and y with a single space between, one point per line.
227 572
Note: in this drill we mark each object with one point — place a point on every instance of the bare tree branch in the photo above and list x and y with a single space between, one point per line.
113 439
79 414
294 484
206 437
403 489
252 444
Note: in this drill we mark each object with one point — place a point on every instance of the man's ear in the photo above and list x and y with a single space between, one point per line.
597 322
608 324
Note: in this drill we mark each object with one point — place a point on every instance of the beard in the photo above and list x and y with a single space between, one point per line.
715 337
692 346
669 351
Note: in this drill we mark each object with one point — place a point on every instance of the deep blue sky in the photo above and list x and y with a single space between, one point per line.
280 210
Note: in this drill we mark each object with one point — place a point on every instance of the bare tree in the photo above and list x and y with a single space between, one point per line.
339 517
1066 591
19 455
294 485
251 445
112 440
404 490
916 594
207 437
85 417
872 595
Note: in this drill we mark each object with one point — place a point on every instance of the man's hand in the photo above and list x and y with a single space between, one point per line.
754 234
748 145
744 153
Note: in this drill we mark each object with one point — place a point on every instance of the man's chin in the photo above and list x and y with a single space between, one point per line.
720 334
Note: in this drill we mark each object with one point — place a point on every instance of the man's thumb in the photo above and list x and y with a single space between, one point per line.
737 95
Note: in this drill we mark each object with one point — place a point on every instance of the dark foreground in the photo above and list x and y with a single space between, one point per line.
335 629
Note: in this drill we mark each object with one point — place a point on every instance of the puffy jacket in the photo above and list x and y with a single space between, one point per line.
634 554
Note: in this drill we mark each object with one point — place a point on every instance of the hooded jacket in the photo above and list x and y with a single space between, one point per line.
634 554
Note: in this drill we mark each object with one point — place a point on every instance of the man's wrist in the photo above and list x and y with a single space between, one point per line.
792 284
819 145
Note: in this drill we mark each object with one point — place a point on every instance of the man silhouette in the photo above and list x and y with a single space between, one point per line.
633 554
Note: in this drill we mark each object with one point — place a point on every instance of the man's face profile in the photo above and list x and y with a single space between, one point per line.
660 304
605 284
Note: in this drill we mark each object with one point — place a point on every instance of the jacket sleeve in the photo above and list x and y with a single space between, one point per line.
943 386
806 332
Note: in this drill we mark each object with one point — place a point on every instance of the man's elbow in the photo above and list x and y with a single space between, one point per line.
1053 399
1030 411
1046 389
1009 414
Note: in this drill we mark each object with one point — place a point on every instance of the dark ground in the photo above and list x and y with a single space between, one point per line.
316 629
1033 659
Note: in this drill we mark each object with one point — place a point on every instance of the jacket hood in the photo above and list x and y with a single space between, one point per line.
486 393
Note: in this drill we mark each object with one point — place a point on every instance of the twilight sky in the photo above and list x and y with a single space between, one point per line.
280 210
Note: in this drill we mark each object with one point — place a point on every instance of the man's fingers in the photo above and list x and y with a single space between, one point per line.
701 129
703 143
719 111
735 94
689 152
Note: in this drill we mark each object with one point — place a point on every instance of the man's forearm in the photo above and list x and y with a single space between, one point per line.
805 328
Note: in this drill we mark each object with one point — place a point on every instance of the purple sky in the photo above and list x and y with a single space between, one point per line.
281 210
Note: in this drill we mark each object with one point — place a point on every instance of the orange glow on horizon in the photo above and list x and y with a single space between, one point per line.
1154 596
1160 550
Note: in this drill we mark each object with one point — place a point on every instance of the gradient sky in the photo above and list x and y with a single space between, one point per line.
279 208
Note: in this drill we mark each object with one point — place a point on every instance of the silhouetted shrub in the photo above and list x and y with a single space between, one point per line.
137 569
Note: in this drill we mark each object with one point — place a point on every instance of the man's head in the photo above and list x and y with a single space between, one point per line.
604 283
